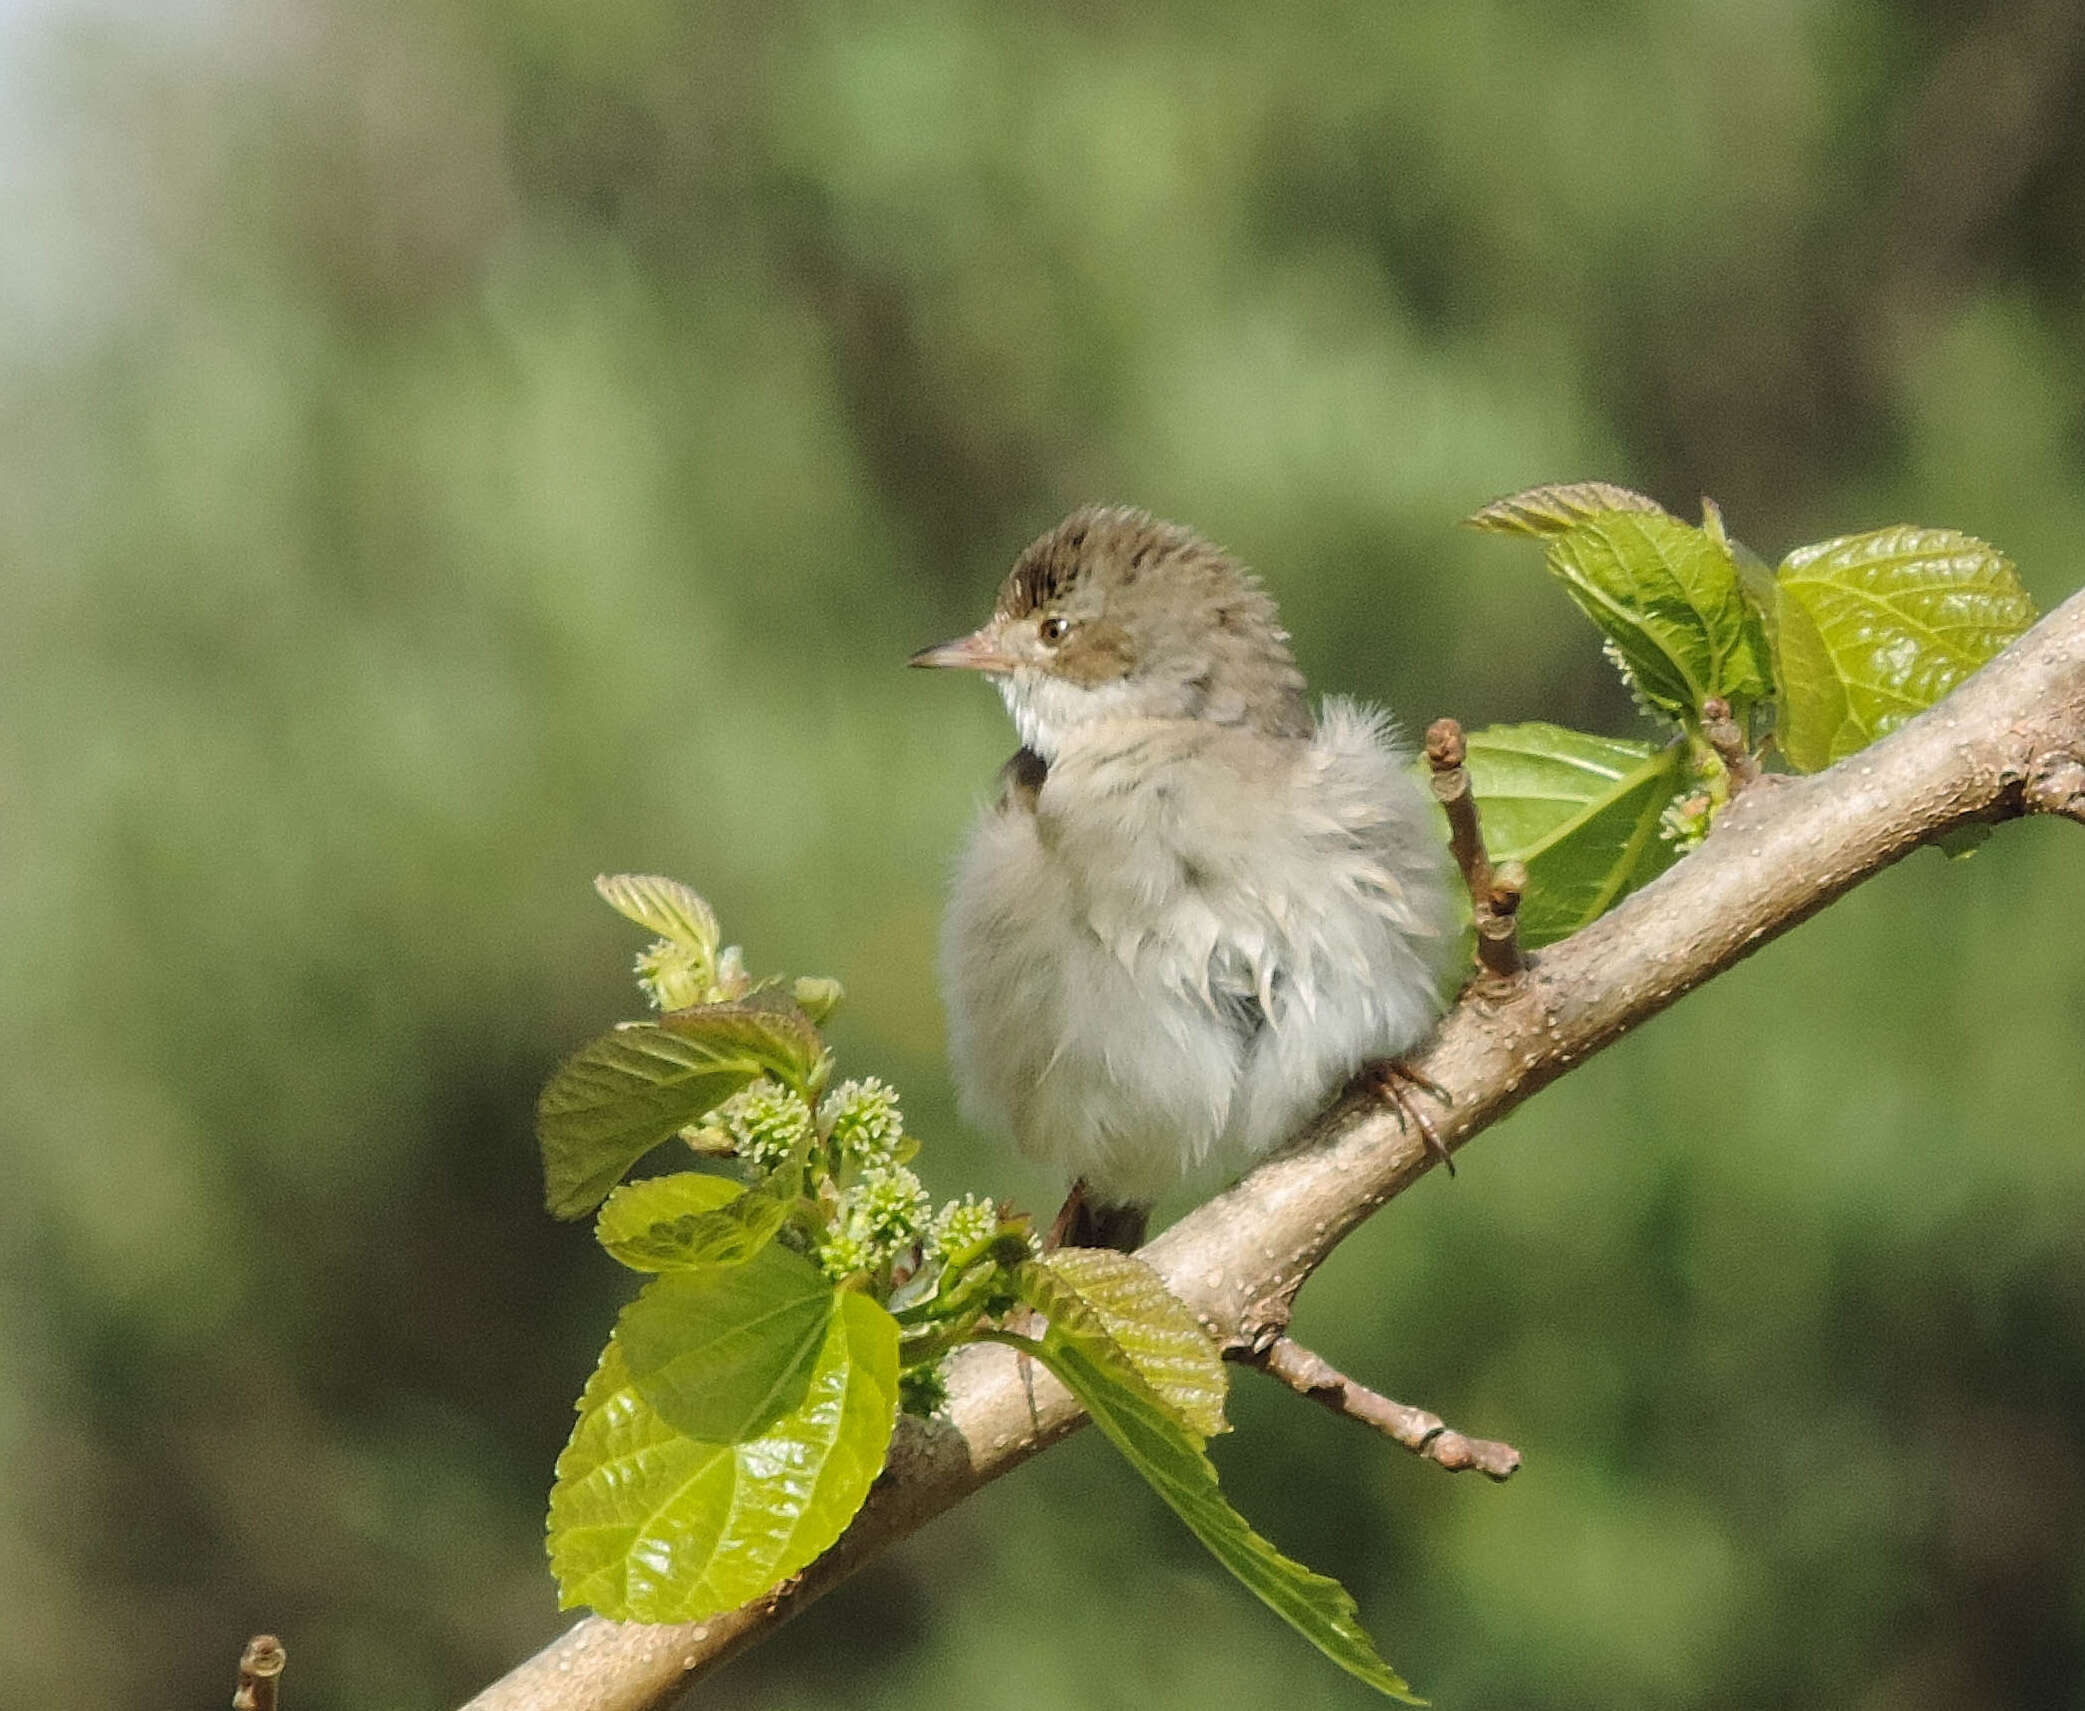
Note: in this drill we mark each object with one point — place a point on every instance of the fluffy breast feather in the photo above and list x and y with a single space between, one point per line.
1191 940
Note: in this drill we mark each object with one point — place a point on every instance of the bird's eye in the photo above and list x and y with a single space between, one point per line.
1054 630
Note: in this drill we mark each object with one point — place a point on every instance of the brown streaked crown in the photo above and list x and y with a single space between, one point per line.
1155 600
1054 565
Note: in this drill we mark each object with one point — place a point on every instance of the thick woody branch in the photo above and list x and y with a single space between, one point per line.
2009 741
1425 1435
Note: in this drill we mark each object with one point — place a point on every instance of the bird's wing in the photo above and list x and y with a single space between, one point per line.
1021 781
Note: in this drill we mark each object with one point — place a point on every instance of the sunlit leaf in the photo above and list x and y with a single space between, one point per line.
1667 596
619 1097
665 906
1580 811
1562 505
664 1223
1874 628
724 1351
1169 1456
650 1525
766 1027
1154 1329
1755 576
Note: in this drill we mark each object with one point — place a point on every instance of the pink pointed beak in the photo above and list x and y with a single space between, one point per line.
978 651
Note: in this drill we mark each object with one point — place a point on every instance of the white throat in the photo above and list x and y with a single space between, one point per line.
1047 710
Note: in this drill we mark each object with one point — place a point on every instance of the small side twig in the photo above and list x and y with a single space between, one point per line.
1425 1435
259 1666
1494 892
1728 741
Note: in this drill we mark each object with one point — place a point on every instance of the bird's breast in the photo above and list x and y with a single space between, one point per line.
1169 862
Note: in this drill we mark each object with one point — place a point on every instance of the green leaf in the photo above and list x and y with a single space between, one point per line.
1755 576
1580 811
1168 1454
619 1097
1553 509
725 1351
665 906
1668 598
668 1223
1153 1328
1874 628
650 1525
767 1028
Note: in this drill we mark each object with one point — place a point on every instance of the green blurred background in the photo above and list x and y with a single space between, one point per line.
448 451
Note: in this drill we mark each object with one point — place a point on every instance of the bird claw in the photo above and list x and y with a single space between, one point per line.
1398 1084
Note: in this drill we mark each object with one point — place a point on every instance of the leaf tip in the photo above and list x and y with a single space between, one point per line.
1556 508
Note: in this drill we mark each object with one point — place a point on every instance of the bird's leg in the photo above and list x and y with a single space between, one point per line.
1067 1219
1398 1085
1084 1222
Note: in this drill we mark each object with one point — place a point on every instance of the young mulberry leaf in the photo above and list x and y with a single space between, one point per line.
1875 628
648 1524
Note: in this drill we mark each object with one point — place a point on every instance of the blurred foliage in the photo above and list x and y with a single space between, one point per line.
447 452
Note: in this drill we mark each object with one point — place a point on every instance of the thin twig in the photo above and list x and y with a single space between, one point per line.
1425 1435
1494 892
259 1666
2009 740
1728 741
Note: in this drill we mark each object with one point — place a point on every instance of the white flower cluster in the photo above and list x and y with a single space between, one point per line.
863 1122
884 1214
764 1123
672 975
961 1224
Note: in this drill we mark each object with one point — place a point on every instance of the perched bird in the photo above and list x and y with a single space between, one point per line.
1197 908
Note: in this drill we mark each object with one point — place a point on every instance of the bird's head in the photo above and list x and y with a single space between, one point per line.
1115 615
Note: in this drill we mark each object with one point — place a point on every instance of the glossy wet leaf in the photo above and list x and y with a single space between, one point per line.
1668 598
1580 811
1168 1454
664 1223
724 1351
650 1525
1161 1338
1875 628
619 1097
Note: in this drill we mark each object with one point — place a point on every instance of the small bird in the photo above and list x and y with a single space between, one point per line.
1197 909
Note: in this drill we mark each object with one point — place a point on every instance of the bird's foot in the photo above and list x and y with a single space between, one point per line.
1084 1222
1398 1085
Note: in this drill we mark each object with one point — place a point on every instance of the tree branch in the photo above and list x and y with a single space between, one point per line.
260 1668
1494 892
2009 741
1311 1375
